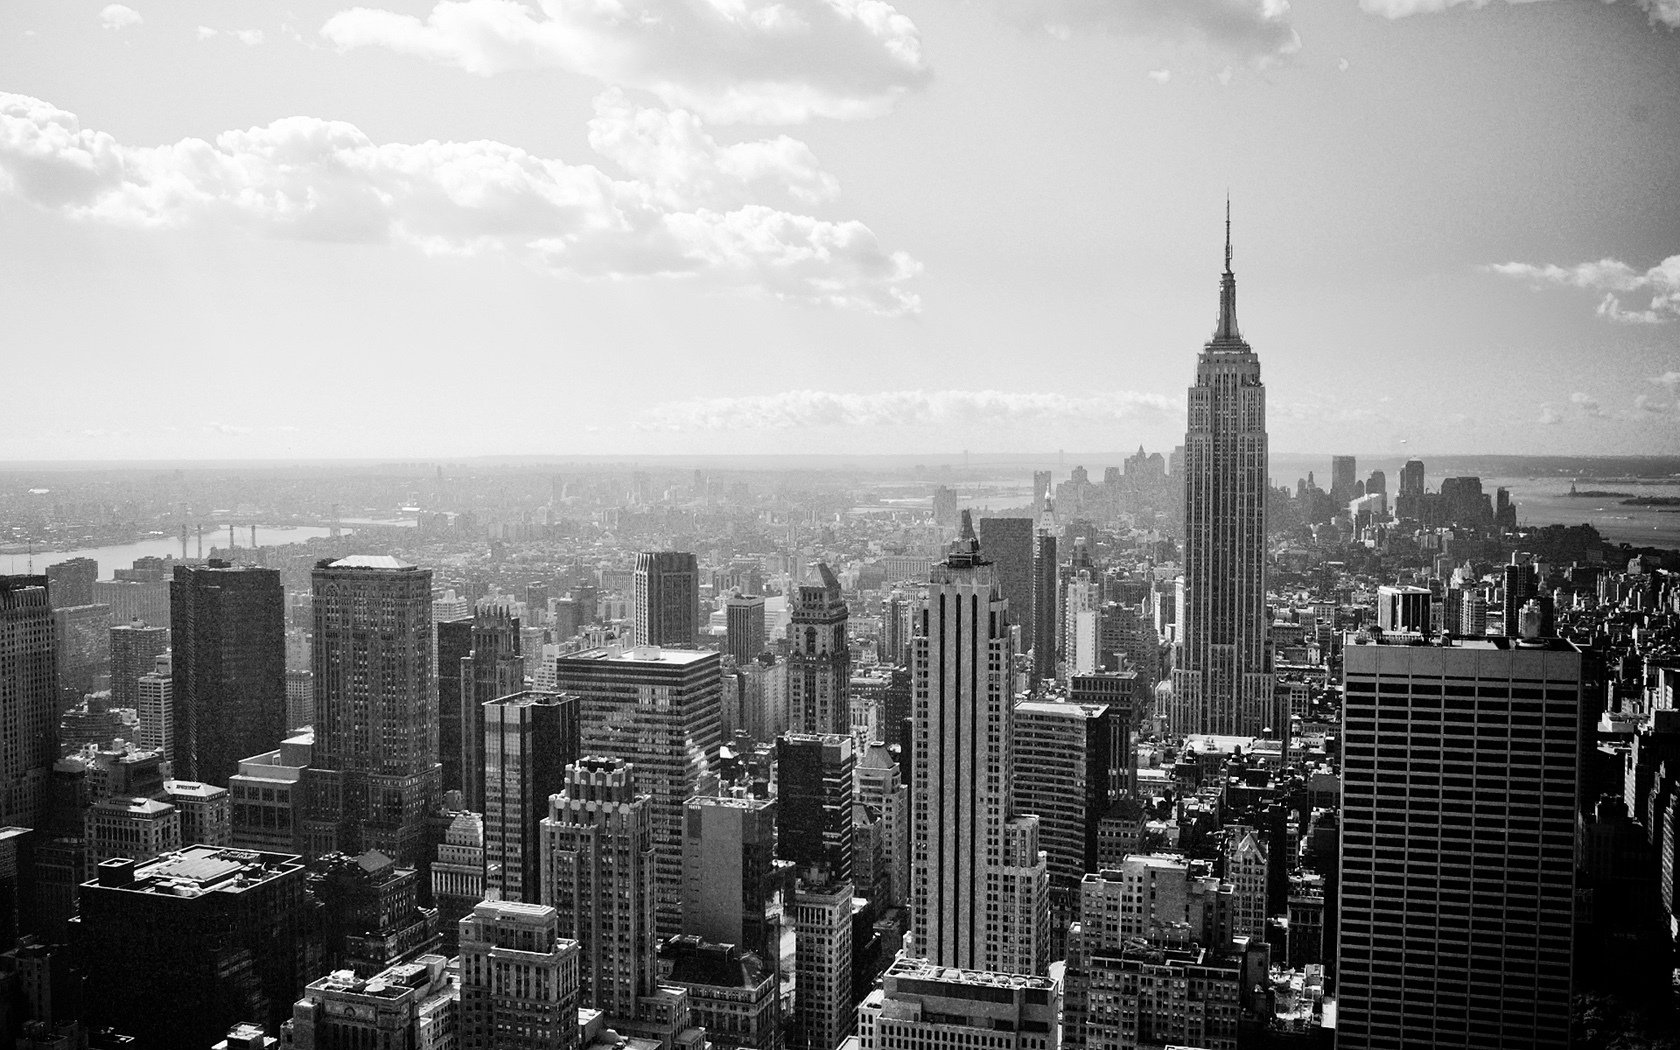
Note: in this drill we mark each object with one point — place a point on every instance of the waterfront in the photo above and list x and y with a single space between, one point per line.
121 556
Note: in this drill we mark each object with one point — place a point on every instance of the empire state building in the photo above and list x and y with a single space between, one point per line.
1223 684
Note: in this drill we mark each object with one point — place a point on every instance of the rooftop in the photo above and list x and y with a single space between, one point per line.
1482 643
926 970
370 561
643 654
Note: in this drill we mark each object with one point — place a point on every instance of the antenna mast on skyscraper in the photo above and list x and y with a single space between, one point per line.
1227 231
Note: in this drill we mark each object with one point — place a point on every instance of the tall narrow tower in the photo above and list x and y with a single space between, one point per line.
820 665
979 883
1224 684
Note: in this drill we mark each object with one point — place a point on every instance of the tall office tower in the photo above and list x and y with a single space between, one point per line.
980 889
598 873
657 709
1472 614
1041 487
451 607
665 608
228 633
814 791
454 644
1245 863
82 636
493 667
411 1004
1344 479
1064 772
134 652
1376 484
1411 478
823 1011
820 663
881 787
1520 581
731 884
519 979
155 707
1081 624
897 625
28 691
744 626
1457 842
220 936
1009 543
1046 602
1224 685
373 773
529 740
300 699
922 1005
70 582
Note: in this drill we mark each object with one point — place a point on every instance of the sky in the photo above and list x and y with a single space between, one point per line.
302 229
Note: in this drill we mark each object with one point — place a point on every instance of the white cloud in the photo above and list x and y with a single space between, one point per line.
248 37
1661 12
1549 415
765 61
687 213
803 409
672 153
1342 65
1670 379
1587 405
1615 279
1258 29
1160 76
117 17
205 33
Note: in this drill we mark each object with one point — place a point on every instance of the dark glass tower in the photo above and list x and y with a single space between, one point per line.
228 630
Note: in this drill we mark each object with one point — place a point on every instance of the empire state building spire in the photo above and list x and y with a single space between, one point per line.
1227 330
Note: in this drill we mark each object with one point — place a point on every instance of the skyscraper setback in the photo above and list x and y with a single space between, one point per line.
1224 683
373 776
228 631
979 883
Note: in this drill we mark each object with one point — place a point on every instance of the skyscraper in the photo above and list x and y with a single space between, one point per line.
1458 859
1344 480
454 644
529 740
519 979
134 650
70 582
881 787
1046 601
598 873
665 609
731 885
155 705
1224 684
657 709
373 774
1009 543
824 1013
744 624
820 664
228 632
28 689
493 668
814 786
980 891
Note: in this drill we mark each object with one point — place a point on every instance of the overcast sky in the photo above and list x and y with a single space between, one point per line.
242 228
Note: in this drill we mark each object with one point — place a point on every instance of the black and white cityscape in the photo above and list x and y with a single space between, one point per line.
454 597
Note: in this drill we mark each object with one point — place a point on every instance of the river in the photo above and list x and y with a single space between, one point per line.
121 556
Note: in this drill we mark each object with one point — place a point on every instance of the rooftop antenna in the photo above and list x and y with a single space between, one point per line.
1227 231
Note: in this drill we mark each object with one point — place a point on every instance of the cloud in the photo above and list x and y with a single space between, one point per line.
1160 76
688 212
1670 379
803 409
1587 405
205 32
1615 279
117 17
763 61
1342 65
1257 29
248 37
1549 415
1660 12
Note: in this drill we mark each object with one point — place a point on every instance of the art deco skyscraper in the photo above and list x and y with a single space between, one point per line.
1224 684
979 883
820 665
492 668
373 776
28 689
228 630
666 605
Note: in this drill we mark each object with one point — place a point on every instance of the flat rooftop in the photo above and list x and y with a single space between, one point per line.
925 970
1481 643
643 654
370 561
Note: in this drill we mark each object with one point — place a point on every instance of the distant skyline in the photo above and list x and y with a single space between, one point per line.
415 230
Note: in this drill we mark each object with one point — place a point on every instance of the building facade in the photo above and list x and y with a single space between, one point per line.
28 691
519 979
529 740
665 601
820 660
